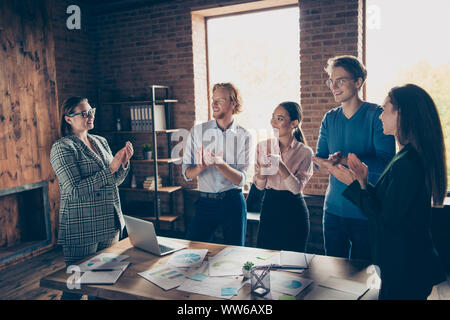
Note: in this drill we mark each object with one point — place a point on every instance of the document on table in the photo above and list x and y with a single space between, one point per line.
198 274
102 276
323 293
103 261
229 261
348 286
288 283
218 287
166 277
290 259
188 258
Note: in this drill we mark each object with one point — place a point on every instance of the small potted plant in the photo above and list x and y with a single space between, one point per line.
246 269
147 150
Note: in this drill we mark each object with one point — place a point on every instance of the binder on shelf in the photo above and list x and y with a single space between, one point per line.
138 116
132 119
148 118
141 112
145 117
141 116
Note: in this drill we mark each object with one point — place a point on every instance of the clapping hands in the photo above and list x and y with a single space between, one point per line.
127 153
122 157
205 158
356 171
269 159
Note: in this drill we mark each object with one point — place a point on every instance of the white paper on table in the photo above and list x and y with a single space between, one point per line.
264 258
230 260
188 258
198 274
103 261
275 295
348 286
102 277
295 259
288 283
323 293
212 286
299 271
166 277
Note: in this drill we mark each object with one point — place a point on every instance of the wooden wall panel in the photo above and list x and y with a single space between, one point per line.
9 221
28 98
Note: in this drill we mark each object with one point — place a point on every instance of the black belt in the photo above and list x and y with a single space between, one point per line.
219 195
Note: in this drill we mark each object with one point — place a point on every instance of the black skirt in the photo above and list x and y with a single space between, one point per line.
284 222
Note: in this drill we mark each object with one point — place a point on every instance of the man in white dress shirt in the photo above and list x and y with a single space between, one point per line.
217 153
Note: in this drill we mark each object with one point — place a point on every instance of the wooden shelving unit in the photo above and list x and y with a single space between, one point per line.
159 95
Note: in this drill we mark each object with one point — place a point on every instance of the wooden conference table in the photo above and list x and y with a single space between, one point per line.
131 286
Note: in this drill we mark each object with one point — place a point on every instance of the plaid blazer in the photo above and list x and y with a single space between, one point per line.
90 204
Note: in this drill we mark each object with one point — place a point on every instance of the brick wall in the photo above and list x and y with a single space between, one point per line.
130 45
74 53
327 28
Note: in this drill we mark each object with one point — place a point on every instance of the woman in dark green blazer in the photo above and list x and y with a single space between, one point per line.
398 207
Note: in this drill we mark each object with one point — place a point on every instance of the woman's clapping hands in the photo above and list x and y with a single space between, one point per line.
122 157
356 171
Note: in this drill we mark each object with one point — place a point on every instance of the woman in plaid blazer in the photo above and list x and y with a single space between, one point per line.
90 217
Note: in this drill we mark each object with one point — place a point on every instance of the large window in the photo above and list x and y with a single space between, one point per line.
259 53
407 43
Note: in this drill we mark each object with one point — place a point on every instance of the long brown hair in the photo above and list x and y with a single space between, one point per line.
68 107
295 113
420 125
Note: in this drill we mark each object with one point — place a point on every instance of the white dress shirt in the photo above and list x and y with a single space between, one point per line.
234 143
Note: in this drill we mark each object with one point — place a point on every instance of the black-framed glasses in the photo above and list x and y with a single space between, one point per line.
339 82
84 114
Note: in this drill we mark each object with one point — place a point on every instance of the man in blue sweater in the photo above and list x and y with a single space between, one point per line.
353 127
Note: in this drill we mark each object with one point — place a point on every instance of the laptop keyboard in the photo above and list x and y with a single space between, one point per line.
164 248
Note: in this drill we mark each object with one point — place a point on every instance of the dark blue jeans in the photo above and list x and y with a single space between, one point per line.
346 237
229 212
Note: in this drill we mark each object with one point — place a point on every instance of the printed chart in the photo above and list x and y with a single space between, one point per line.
223 287
166 277
103 260
188 258
288 284
198 274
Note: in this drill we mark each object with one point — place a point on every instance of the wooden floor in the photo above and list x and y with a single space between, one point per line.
21 281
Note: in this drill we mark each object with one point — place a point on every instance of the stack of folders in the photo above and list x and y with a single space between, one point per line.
141 118
149 183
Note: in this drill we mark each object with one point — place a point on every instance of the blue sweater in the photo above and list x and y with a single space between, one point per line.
362 135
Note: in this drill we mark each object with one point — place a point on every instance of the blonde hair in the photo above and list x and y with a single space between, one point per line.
233 93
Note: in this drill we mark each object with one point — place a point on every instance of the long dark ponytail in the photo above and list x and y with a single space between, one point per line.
295 113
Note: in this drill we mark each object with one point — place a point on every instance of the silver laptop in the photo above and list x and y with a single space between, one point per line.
143 236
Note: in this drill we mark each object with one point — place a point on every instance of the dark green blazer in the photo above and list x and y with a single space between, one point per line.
399 216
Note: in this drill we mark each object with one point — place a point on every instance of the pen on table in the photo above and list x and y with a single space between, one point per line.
100 270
